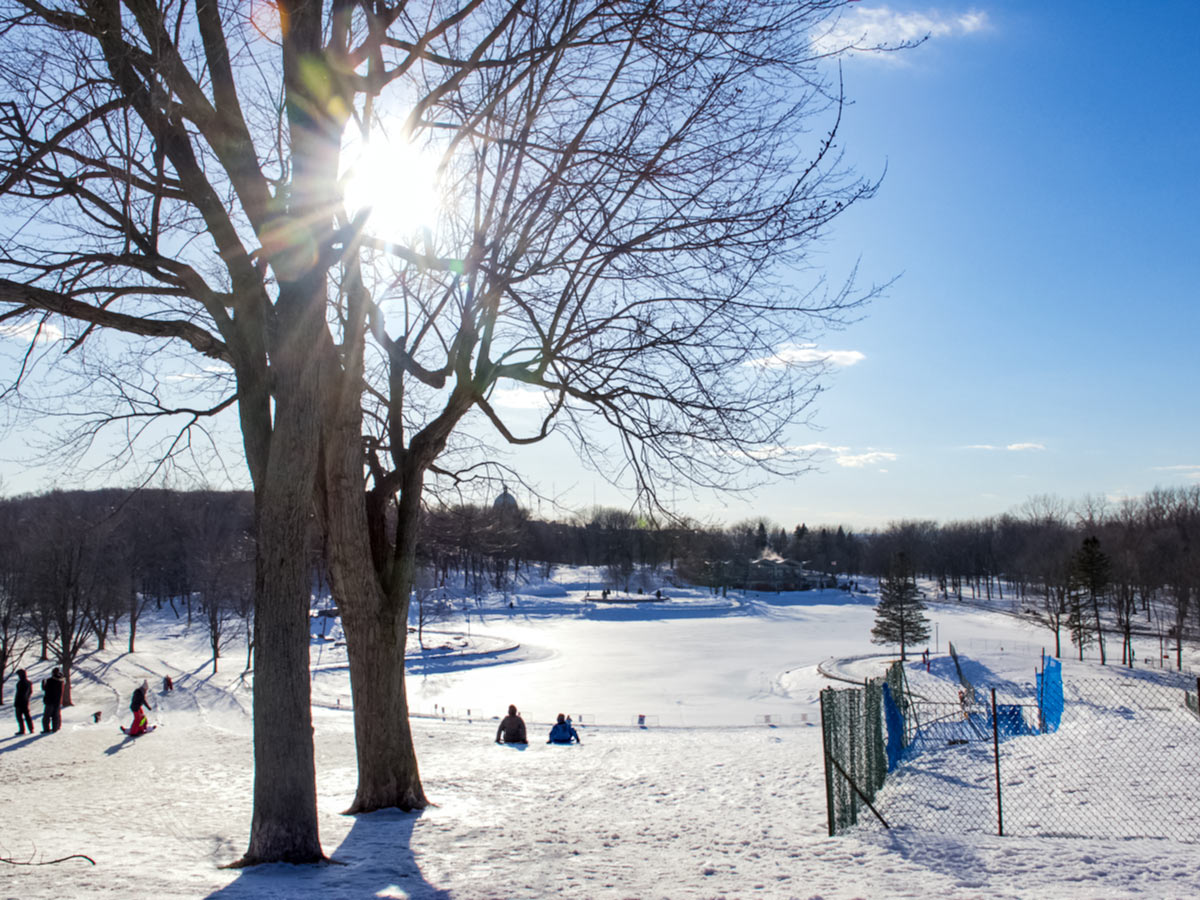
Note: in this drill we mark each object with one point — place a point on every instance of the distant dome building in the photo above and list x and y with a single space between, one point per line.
506 502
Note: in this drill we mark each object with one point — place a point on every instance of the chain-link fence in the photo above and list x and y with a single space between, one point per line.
1120 762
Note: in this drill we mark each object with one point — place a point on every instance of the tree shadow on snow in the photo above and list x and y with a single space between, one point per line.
373 861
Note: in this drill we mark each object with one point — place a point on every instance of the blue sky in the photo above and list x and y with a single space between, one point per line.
1041 206
1041 209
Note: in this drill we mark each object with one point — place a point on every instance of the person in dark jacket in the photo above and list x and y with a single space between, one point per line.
137 706
52 694
563 732
512 728
21 702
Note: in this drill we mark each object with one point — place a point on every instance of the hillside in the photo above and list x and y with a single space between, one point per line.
705 802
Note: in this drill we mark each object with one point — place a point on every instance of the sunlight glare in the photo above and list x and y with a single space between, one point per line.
398 183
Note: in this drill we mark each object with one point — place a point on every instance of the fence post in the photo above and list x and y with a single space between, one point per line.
828 779
1041 690
996 749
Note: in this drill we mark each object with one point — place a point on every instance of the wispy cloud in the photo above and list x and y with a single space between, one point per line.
1187 471
862 460
519 398
867 27
212 371
806 354
844 456
47 332
1013 448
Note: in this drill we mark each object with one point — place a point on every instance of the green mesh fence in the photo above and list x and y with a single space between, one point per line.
855 756
1120 765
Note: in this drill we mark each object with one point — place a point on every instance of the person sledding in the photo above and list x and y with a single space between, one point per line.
512 728
138 706
563 732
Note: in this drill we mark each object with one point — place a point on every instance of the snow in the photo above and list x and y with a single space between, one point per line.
704 803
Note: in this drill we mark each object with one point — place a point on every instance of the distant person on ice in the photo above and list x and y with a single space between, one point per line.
512 728
52 693
21 702
138 705
563 732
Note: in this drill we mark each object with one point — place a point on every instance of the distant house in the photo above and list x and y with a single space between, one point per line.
771 574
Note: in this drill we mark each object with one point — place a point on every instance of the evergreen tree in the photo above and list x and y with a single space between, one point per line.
1077 618
900 615
760 538
1090 571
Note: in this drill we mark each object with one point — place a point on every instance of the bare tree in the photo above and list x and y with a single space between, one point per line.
221 565
63 538
625 185
15 636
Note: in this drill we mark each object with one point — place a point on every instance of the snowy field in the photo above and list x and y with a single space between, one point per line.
721 795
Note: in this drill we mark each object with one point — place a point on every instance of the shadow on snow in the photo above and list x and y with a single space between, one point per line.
375 860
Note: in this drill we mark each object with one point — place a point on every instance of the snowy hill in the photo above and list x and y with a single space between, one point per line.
705 802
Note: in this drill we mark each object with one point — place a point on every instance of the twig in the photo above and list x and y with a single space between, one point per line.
14 862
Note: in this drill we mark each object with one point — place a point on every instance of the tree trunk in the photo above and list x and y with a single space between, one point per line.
375 620
1099 629
134 612
284 823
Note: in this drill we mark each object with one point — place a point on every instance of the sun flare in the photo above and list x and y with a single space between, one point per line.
398 183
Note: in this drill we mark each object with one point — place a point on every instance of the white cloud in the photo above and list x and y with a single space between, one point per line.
818 448
804 354
24 331
519 398
841 455
872 26
1188 471
1015 448
204 373
861 460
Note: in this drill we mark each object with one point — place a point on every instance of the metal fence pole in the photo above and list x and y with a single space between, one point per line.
825 754
996 749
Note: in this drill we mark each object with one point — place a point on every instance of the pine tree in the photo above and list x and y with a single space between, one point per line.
1090 570
900 615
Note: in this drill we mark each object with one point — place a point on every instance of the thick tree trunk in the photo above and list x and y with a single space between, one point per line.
388 775
284 823
375 621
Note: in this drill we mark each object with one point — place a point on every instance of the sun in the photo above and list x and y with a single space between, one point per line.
397 182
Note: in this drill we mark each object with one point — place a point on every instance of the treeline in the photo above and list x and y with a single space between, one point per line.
78 568
488 547
1085 568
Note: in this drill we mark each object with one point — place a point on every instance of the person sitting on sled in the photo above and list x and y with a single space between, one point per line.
512 728
563 732
138 706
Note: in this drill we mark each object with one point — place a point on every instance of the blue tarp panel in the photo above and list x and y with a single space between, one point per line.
895 728
1050 695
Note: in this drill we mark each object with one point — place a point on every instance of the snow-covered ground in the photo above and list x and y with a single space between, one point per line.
706 801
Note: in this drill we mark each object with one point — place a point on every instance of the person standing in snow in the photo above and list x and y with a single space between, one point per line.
52 694
563 732
21 702
136 705
512 728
